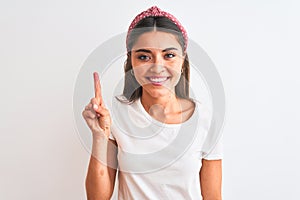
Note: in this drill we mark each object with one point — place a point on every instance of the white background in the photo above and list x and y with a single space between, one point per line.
43 44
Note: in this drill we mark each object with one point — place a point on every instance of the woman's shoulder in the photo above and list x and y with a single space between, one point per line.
120 103
203 108
121 99
187 105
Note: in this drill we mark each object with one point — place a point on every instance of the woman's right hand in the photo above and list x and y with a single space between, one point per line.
96 115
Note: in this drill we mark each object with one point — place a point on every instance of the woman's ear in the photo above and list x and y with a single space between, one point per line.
183 59
184 56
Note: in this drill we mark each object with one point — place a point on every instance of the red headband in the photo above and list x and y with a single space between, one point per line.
156 12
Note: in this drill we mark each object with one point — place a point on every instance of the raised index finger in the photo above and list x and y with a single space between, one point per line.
97 88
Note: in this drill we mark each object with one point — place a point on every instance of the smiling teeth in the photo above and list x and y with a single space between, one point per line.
157 79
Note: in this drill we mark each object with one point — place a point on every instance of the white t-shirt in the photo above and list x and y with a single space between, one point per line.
158 160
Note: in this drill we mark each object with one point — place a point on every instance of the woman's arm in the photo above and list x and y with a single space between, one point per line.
101 174
211 179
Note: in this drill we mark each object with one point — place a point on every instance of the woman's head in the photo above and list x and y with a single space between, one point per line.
157 62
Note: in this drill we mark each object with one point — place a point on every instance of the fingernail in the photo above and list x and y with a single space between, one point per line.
95 106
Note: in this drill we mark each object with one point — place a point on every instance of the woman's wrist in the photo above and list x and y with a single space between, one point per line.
99 146
101 134
102 148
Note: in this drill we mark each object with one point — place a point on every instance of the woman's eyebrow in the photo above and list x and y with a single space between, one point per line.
171 48
149 51
143 50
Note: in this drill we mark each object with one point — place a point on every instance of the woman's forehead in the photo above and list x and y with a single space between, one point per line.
156 40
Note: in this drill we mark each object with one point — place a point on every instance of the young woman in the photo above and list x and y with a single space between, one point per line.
155 127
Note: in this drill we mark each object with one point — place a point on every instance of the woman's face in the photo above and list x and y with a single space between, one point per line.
157 59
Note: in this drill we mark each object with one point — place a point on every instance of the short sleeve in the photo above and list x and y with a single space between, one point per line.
112 132
111 136
216 153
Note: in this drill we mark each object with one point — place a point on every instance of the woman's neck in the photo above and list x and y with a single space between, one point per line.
166 104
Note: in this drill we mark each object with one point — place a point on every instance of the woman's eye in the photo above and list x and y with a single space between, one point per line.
143 57
170 55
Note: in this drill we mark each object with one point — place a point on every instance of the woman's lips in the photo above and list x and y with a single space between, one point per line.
158 80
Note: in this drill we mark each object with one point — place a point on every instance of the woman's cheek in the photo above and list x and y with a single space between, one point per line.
139 75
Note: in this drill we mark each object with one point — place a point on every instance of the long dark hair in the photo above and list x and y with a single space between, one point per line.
132 89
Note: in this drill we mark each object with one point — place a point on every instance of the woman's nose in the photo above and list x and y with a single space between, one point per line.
158 65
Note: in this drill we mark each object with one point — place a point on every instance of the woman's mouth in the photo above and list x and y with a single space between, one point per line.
158 80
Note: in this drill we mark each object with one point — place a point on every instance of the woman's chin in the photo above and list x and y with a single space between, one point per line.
157 91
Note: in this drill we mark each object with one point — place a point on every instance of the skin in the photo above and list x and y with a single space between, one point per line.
155 54
159 54
100 178
211 179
